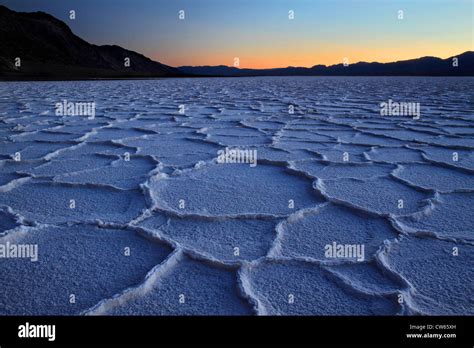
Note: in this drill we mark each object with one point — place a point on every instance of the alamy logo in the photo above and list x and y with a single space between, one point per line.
13 251
237 156
67 108
37 331
345 251
392 108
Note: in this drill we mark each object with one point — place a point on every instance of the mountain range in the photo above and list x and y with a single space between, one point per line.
425 66
48 49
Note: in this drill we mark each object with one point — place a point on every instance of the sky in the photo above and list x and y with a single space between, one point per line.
260 33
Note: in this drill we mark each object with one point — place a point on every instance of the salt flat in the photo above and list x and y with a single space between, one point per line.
133 214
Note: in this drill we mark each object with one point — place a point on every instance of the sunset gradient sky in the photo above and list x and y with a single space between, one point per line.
260 33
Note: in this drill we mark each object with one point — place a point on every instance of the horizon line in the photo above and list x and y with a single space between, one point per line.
312 66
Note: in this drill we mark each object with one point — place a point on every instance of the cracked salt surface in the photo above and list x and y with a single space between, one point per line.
85 261
221 238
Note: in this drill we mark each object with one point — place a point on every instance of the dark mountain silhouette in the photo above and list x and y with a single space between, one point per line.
49 49
425 66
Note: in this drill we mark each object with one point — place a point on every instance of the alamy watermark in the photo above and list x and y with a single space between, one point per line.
67 108
345 251
28 330
392 108
13 251
237 155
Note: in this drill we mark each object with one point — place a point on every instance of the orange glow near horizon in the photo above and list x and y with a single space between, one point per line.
323 32
273 58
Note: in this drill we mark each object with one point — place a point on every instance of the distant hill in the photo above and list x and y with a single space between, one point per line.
425 66
49 49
